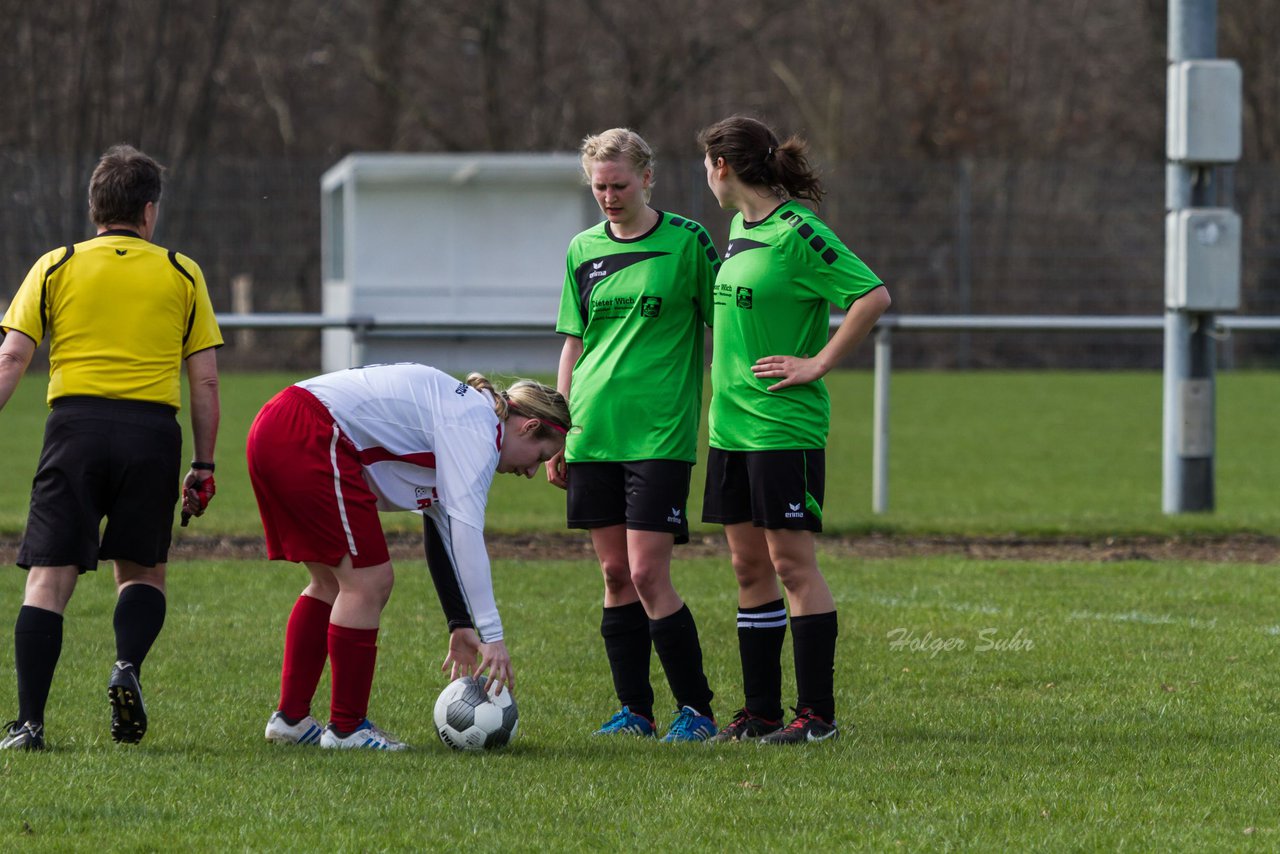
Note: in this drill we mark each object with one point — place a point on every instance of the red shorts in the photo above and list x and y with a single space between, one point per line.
312 496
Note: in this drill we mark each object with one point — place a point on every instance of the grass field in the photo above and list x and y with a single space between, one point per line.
975 453
985 705
1133 706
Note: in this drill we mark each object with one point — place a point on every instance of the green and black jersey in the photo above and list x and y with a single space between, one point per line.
639 306
772 298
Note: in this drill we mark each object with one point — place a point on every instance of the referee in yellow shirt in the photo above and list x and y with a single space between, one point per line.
122 315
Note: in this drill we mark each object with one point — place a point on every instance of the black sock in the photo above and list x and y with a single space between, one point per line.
37 644
814 638
138 619
625 630
675 637
761 631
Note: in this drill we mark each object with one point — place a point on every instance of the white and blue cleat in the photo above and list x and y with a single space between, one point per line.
627 722
690 726
307 730
366 736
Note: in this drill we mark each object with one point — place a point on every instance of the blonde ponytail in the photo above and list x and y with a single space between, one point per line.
480 382
530 399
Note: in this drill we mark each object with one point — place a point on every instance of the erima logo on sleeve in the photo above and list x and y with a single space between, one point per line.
815 241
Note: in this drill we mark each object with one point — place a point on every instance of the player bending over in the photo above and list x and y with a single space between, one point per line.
325 455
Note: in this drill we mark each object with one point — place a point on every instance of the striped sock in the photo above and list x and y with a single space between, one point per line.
761 631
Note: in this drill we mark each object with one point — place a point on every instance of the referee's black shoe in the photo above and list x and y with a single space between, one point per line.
27 735
128 714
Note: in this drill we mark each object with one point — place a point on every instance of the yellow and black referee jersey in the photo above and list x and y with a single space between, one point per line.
121 314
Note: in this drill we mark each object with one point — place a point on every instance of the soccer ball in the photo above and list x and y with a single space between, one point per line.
469 718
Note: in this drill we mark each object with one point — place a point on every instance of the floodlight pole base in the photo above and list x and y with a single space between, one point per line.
1189 413
1188 435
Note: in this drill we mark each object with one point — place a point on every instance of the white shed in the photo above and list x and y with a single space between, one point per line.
464 251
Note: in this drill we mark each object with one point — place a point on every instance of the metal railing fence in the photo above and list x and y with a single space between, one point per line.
366 326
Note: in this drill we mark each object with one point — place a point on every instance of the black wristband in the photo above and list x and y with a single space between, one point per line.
196 465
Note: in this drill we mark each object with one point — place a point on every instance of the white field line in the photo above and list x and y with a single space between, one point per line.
1143 618
1132 616
963 607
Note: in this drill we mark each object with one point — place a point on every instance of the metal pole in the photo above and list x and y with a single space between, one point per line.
1193 29
359 336
1188 414
964 253
1188 423
880 421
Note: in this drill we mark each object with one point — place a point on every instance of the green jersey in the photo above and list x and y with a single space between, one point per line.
772 298
639 306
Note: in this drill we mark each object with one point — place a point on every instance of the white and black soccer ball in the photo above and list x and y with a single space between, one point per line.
469 718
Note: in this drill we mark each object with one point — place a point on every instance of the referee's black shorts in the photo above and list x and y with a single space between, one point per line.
102 458
770 489
645 495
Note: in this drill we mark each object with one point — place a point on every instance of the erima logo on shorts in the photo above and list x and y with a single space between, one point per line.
744 297
650 306
674 518
793 511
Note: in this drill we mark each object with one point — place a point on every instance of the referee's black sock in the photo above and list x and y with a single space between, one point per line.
761 631
625 629
675 638
138 619
814 638
37 644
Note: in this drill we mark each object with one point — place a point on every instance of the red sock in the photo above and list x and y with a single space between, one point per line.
305 649
352 653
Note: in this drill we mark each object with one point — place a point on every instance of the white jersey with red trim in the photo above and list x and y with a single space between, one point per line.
425 439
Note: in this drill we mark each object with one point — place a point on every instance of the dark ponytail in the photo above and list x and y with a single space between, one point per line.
756 156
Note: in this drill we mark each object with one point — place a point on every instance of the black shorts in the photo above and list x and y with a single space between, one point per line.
117 459
646 495
771 489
